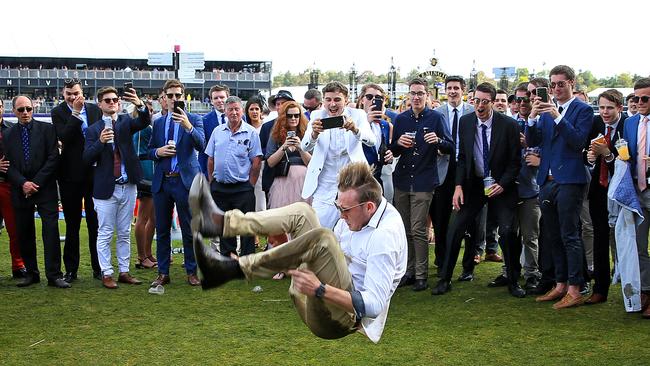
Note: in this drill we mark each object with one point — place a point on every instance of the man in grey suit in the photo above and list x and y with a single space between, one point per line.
440 209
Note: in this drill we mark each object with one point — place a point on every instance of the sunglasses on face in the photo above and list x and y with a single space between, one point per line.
643 99
293 115
371 97
24 109
481 101
343 210
177 95
560 84
522 99
109 100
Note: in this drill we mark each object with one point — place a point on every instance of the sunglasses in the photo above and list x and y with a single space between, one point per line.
23 109
71 82
342 210
177 95
522 99
561 84
371 97
293 115
109 100
644 99
481 101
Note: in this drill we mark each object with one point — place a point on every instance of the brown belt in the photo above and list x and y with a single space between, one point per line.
549 178
171 175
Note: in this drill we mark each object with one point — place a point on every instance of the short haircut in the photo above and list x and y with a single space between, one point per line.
629 96
371 86
233 99
216 88
173 83
487 88
335 87
511 98
563 70
358 176
642 83
419 81
70 83
540 82
613 96
314 93
105 90
521 87
13 100
501 91
457 78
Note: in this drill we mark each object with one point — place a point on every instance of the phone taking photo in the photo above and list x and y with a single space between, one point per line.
332 122
128 86
179 104
542 92
378 104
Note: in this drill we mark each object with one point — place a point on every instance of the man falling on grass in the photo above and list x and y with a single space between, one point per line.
342 281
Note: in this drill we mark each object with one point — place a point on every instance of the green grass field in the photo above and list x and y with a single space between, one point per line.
472 325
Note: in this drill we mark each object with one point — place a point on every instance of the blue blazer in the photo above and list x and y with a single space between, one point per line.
370 152
210 121
100 155
561 145
630 131
186 150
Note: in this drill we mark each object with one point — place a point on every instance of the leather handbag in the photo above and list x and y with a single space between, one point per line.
282 169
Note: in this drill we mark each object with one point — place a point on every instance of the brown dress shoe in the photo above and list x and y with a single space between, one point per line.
160 280
193 280
109 282
493 257
125 277
595 298
645 301
646 313
569 301
552 295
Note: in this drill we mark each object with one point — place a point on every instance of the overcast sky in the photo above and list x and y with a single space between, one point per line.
334 34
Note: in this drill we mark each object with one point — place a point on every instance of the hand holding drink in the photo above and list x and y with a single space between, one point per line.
623 151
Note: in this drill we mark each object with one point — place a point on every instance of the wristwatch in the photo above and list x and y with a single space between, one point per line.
320 291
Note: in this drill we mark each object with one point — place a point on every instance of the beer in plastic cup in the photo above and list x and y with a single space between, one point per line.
487 184
621 147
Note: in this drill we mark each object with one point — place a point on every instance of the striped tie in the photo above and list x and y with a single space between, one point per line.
641 154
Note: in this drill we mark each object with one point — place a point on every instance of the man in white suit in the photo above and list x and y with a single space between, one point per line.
332 149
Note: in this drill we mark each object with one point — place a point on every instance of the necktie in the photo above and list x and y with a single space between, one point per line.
117 158
223 118
24 136
454 130
560 109
602 179
167 162
640 154
486 151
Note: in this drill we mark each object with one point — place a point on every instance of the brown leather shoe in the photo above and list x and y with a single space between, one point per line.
193 280
552 295
595 298
109 282
569 301
160 280
125 277
477 259
645 301
646 313
493 257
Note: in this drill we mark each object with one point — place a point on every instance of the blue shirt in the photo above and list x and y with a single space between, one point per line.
168 120
419 173
233 153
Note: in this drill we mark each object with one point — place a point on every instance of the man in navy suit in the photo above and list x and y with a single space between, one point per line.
381 129
116 169
561 132
218 96
636 134
175 142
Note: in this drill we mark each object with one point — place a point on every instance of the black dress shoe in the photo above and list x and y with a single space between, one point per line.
499 281
216 269
19 273
541 289
207 218
441 287
28 279
59 282
70 277
516 290
406 280
420 285
466 277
